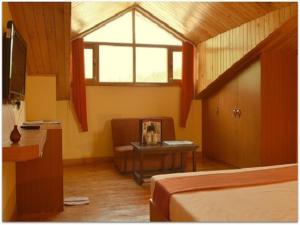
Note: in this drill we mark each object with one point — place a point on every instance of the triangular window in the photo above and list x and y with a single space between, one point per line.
147 32
116 31
120 31
132 49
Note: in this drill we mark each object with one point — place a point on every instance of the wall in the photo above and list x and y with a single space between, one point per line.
218 54
105 103
40 97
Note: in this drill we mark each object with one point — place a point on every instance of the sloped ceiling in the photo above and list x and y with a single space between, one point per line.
197 21
45 26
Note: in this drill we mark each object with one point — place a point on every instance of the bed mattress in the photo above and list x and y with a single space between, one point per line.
263 203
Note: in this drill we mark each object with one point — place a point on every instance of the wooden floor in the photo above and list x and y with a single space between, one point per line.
113 197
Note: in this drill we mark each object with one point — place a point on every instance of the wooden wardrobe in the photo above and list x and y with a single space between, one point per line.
251 120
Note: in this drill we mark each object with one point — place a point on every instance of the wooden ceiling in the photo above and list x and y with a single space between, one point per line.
284 39
197 21
46 27
46 30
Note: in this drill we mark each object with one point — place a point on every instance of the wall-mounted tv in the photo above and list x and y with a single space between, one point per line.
14 64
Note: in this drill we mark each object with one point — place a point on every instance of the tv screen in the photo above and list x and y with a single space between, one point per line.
14 64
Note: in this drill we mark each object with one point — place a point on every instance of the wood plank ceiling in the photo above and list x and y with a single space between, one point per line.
46 30
197 21
48 27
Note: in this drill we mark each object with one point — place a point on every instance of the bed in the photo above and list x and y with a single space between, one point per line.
266 202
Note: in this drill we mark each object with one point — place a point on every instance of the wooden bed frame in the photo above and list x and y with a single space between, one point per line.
155 215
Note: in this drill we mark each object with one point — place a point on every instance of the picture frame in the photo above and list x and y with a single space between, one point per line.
150 131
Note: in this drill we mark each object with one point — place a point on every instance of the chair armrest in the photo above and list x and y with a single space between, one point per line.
124 148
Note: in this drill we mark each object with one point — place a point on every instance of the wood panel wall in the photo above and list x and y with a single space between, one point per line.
199 21
218 54
46 29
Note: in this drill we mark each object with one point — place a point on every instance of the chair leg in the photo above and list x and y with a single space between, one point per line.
125 162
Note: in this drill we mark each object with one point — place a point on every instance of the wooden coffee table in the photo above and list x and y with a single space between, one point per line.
140 152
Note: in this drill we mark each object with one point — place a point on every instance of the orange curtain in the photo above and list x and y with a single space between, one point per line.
78 83
187 86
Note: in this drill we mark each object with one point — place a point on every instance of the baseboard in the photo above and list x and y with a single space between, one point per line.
82 161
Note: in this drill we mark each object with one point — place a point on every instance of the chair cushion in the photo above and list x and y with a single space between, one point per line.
124 148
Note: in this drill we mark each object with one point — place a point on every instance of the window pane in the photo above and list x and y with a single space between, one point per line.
115 64
177 65
118 30
88 63
151 65
148 32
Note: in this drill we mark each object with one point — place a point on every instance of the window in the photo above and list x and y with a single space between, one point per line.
117 31
132 49
148 32
151 65
177 65
115 63
88 59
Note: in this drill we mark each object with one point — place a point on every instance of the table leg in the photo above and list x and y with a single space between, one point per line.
194 161
173 160
181 161
141 167
162 162
133 162
125 162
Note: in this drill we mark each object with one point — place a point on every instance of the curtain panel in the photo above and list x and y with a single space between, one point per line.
78 83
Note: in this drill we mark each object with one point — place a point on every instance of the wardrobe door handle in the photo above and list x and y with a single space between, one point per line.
234 112
238 111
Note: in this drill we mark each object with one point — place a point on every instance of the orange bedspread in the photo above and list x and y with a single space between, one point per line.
165 188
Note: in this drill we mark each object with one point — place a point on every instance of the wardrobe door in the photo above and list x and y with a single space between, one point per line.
279 107
212 127
227 141
249 116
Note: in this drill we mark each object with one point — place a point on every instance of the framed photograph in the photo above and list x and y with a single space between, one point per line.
151 131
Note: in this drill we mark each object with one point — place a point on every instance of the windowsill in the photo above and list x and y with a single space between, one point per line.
175 84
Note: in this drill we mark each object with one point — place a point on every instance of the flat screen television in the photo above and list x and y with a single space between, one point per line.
14 64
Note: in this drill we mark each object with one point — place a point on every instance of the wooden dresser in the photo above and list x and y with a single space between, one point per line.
39 182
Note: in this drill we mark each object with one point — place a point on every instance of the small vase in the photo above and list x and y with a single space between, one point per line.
15 135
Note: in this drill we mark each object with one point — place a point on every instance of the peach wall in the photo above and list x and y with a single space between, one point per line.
105 103
40 97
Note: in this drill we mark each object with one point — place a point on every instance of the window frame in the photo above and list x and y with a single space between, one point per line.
95 64
170 49
171 58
